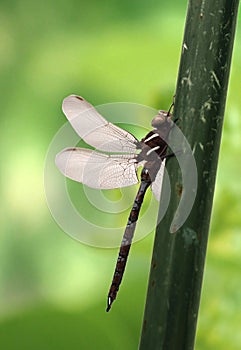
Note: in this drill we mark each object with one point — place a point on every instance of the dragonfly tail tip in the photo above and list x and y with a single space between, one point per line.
108 308
109 303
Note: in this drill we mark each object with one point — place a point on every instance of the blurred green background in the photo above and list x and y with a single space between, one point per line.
52 288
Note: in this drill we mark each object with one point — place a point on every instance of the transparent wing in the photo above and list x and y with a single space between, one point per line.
94 129
156 185
97 170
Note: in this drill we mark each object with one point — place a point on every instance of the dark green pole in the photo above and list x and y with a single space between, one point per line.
178 258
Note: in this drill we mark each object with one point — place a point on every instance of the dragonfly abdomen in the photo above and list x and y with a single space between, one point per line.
127 238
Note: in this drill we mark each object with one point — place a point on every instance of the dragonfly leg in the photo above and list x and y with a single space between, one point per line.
170 155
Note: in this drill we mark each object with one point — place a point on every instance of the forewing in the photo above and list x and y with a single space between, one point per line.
156 185
97 170
96 130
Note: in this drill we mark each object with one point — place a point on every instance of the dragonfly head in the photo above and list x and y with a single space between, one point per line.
162 120
163 123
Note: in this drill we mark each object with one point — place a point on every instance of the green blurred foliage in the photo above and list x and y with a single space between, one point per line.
53 289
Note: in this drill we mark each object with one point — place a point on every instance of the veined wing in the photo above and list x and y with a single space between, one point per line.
156 185
97 170
96 130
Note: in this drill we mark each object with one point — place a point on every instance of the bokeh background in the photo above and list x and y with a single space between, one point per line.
52 288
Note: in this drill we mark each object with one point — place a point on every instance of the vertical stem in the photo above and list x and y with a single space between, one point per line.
178 259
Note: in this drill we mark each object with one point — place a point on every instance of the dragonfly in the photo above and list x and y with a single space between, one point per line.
114 163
